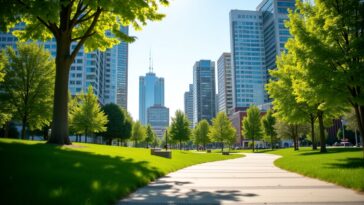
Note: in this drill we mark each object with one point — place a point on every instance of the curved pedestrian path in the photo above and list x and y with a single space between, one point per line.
249 180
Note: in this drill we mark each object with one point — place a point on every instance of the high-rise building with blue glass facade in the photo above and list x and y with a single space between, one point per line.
224 83
204 96
151 92
256 38
188 104
116 73
105 71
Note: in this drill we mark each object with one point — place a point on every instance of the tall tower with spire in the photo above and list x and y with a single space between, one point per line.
151 92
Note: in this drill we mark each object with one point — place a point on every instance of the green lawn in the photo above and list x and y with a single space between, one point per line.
342 166
37 173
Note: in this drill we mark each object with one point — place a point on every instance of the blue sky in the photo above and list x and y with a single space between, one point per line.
192 30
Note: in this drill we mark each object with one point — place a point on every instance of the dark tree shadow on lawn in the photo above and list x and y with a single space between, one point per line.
348 163
47 174
331 151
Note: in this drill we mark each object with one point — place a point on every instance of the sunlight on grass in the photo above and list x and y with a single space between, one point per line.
342 166
38 173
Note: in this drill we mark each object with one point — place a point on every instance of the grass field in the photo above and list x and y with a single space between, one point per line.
38 173
342 166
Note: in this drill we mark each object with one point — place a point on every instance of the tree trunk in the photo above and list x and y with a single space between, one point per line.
6 129
253 144
24 126
222 147
312 122
271 142
359 113
59 133
322 132
180 144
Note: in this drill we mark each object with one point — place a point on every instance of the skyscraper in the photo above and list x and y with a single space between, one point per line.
158 118
247 49
224 83
116 73
96 68
151 92
256 37
188 98
203 91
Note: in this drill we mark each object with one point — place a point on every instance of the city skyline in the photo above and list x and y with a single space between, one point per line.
173 57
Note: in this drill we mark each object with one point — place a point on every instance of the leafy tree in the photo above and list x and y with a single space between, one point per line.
252 127
77 22
27 89
180 128
290 131
118 126
151 136
329 34
222 130
268 122
201 134
87 117
138 133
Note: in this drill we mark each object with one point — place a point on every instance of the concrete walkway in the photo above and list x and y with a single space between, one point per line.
249 180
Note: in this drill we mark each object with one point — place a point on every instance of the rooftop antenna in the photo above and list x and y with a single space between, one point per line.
150 61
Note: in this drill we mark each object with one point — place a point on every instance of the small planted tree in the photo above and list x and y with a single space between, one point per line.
138 133
87 117
180 128
28 85
201 134
150 138
252 128
222 130
268 122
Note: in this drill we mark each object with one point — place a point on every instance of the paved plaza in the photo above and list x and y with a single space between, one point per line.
249 180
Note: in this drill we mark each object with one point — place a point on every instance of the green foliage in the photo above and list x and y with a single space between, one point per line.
151 136
268 121
180 128
252 127
27 89
352 120
201 133
222 130
87 117
2 65
327 50
138 133
86 19
82 174
118 126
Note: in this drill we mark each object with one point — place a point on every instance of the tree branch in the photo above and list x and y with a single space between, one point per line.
86 35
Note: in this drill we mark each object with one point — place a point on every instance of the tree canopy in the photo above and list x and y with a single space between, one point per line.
87 117
180 128
151 136
222 130
252 127
328 47
118 126
27 90
82 23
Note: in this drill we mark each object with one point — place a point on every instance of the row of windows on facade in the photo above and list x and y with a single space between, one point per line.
249 16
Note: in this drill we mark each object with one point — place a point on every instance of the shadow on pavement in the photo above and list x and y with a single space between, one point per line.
171 192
